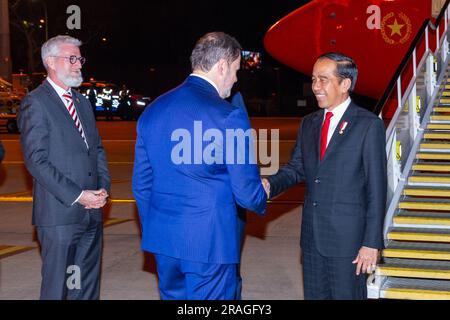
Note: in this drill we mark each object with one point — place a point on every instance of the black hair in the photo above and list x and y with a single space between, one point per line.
346 67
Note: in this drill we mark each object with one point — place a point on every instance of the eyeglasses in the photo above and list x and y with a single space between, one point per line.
73 59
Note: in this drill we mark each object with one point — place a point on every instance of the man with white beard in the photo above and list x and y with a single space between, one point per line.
63 152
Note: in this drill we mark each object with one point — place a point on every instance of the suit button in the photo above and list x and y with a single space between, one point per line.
314 204
90 174
317 180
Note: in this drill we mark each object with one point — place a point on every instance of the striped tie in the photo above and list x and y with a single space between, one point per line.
73 113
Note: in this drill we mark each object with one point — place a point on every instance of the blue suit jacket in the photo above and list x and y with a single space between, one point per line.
345 197
2 152
188 210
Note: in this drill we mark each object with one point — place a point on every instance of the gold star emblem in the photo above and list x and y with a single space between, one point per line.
396 27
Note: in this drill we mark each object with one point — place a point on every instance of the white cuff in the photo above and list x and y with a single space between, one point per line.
78 198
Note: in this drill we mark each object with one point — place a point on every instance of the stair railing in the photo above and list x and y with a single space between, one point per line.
414 103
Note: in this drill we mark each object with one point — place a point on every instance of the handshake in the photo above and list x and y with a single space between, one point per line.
93 199
266 186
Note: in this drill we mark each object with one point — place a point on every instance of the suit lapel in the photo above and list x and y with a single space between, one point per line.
316 133
338 134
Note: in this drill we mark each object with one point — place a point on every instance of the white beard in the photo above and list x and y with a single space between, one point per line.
72 82
226 93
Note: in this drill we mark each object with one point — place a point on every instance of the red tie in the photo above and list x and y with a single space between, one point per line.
324 136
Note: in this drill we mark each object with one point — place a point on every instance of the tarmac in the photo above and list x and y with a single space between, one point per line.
270 267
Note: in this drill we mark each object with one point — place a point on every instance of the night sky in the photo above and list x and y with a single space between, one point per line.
149 43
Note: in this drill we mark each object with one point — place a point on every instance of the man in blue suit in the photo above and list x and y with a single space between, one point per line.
340 155
189 176
2 152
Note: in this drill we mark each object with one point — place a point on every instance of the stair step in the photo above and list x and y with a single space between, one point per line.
437 135
429 179
441 109
439 118
437 126
409 203
444 101
446 93
410 268
433 156
427 191
415 289
431 166
419 234
422 221
439 219
417 250
434 145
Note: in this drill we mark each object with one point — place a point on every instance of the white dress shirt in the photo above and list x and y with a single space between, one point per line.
338 112
208 80
60 91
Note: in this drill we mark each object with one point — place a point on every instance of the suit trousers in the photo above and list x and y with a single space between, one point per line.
330 278
187 280
71 260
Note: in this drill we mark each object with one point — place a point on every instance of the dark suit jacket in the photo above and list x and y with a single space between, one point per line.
345 192
187 210
57 157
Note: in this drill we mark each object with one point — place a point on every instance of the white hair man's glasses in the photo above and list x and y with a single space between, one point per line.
73 59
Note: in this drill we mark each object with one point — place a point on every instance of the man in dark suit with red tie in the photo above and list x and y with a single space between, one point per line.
340 155
64 153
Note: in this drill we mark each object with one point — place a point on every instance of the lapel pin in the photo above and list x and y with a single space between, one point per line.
78 100
343 126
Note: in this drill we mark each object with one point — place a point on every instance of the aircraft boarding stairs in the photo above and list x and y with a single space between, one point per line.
415 263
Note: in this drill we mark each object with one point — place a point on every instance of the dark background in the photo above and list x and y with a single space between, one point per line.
148 44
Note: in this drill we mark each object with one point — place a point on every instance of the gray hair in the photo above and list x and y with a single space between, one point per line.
211 48
51 46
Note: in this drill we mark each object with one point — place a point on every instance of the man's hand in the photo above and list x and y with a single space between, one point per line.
102 192
366 260
266 186
93 199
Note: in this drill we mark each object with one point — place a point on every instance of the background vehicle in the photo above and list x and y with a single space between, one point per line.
9 106
139 104
9 101
131 107
100 86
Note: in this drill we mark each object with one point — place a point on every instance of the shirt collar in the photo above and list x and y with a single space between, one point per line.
208 80
60 91
339 111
